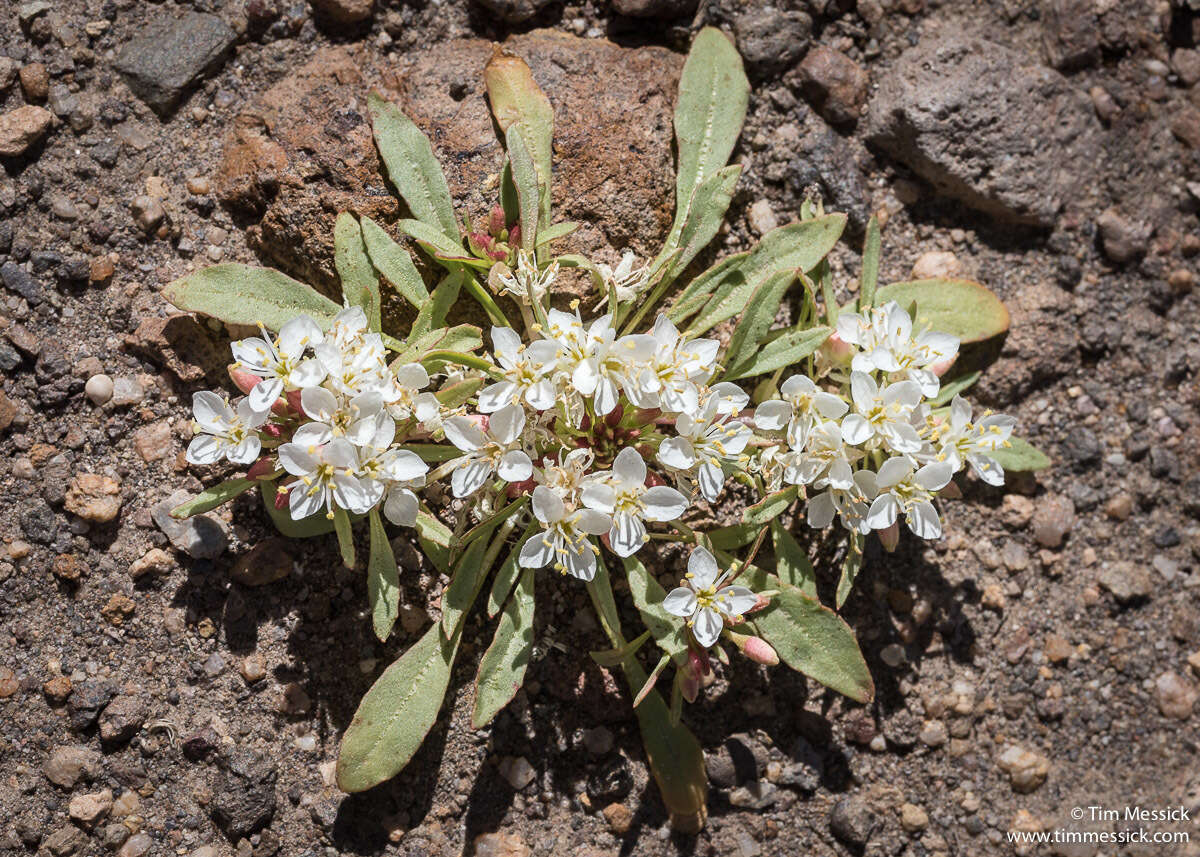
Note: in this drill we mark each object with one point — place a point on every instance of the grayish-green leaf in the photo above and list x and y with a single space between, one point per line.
870 265
648 596
1020 455
411 166
786 349
792 563
770 507
397 713
506 575
211 498
515 98
556 231
810 638
526 179
360 283
851 566
394 263
433 312
241 294
383 580
734 536
442 248
345 536
313 525
756 319
502 668
952 388
705 214
469 574
961 308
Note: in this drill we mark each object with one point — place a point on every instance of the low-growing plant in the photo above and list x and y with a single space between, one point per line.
580 445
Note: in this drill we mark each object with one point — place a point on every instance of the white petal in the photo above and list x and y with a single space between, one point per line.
296 460
856 430
706 626
406 465
677 452
541 396
627 534
349 493
772 415
923 520
934 476
821 510
297 334
252 353
312 434
308 373
401 507
599 496
702 566
630 467
495 396
547 505
680 601
883 512
711 480
736 600
506 342
829 406
663 503
464 433
246 451
211 411
507 424
469 477
318 403
538 550
514 466
863 389
592 522
303 501
987 469
205 449
893 472
581 563
265 393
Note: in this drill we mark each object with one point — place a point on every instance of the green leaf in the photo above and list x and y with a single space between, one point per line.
770 507
211 498
313 525
360 283
394 263
792 564
345 536
713 94
959 307
442 248
1020 455
516 98
433 530
502 668
434 451
811 638
383 580
870 265
706 212
411 166
433 312
525 177
787 349
648 596
469 574
613 657
732 537
823 275
241 294
556 231
506 575
851 566
756 319
460 338
698 291
397 713
797 246
457 393
952 388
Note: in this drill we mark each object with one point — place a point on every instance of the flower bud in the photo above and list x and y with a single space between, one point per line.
889 537
260 468
293 402
952 491
763 602
514 236
281 497
942 368
242 379
836 350
699 663
272 430
689 686
496 221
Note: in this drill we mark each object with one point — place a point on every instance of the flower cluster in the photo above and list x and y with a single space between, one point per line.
604 435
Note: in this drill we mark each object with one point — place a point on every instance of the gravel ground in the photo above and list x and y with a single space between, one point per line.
163 690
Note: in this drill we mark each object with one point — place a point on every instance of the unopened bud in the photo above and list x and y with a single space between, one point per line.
951 491
272 430
261 467
242 379
836 350
514 236
281 497
293 400
942 368
889 537
496 222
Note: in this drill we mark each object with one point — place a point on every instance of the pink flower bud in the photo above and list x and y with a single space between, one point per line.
514 236
689 686
516 489
281 497
496 221
762 603
699 663
261 467
837 350
942 368
242 379
759 651
272 430
890 536
293 402
951 491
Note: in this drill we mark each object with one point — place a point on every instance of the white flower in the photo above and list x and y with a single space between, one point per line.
527 372
702 601
528 283
495 451
705 441
353 419
901 491
850 502
628 282
825 459
327 476
565 539
347 327
888 345
566 476
390 473
623 495
882 415
963 441
803 406
402 393
357 367
593 359
669 377
223 432
278 362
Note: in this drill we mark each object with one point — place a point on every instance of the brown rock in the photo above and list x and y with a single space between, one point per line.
1057 650
1053 519
101 270
1176 695
118 608
1122 240
35 81
8 411
267 562
619 818
122 719
153 442
1016 511
21 128
936 263
1026 770
1070 33
1185 125
88 809
253 669
8 683
501 845
835 84
344 12
1186 63
67 566
297 157
57 689
94 497
68 765
153 561
182 345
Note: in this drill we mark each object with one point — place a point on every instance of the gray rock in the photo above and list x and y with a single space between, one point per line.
64 841
806 768
87 701
1070 33
17 279
513 11
200 537
828 162
1053 519
1127 581
770 39
739 760
654 8
244 795
122 719
171 55
852 821
946 111
1122 240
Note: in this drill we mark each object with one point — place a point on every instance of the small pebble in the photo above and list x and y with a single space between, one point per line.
99 389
